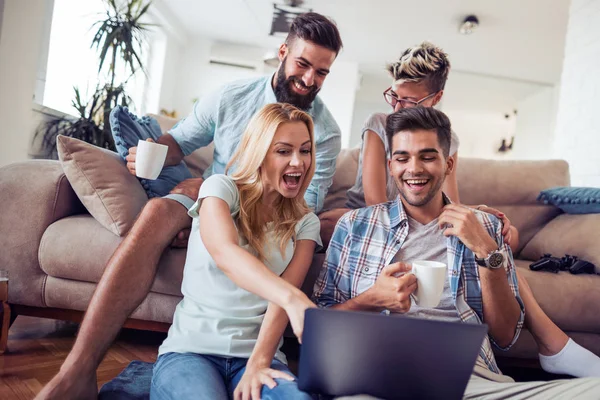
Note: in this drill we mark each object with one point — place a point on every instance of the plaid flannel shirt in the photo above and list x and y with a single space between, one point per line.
366 240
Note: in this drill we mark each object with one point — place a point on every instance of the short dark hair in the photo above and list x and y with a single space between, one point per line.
420 118
317 29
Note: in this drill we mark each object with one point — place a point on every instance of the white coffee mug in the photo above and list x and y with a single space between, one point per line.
149 159
431 276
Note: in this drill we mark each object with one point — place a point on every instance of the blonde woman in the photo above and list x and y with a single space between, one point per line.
251 245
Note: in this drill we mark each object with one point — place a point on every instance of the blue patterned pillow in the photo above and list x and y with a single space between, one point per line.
573 200
127 130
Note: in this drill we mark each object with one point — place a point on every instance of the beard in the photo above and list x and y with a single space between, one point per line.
422 200
285 94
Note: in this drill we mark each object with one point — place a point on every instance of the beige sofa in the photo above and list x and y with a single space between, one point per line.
55 251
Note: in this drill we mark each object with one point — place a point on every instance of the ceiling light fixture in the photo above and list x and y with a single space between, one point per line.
284 14
469 24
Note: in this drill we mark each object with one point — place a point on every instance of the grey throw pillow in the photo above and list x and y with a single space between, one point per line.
102 182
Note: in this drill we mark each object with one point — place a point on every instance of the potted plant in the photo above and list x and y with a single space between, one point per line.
119 38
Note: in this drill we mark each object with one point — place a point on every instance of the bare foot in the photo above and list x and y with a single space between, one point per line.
64 387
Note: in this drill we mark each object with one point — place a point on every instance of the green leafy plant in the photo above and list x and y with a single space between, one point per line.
119 39
85 127
120 36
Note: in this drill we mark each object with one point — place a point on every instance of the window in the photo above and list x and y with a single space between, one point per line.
73 63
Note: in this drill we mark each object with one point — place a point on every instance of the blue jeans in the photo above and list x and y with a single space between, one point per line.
181 376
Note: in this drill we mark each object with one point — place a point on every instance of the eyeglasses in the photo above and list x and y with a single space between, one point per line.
391 98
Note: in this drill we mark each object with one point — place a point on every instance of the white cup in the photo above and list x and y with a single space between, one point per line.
431 276
149 159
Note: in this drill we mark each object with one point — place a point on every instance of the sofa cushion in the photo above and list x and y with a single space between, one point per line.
508 182
573 200
78 248
565 297
76 295
512 186
528 219
567 234
103 184
127 130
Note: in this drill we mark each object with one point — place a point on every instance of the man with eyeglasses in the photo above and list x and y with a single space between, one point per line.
418 80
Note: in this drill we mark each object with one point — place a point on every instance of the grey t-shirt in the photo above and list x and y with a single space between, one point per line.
427 242
376 123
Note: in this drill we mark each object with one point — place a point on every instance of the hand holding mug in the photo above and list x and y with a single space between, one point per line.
147 159
393 288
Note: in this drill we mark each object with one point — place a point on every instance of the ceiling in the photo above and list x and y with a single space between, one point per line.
517 39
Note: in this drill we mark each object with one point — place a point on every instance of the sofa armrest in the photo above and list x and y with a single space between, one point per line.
577 235
34 194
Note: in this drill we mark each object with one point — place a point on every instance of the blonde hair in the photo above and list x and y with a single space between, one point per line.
248 159
425 62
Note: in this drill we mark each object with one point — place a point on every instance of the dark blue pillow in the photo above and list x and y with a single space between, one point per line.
573 200
127 130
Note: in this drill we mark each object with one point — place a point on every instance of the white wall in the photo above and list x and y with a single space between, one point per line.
173 55
339 94
363 108
187 67
21 42
477 105
480 133
577 124
534 137
368 100
189 75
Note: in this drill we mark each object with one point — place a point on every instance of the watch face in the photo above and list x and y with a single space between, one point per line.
495 260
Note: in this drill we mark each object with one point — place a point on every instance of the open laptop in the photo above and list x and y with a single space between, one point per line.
389 357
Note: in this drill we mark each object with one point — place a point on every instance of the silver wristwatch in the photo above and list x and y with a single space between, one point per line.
494 260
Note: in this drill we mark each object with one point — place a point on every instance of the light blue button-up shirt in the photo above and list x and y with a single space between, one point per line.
222 117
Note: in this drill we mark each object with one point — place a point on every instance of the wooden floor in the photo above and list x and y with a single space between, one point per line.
38 346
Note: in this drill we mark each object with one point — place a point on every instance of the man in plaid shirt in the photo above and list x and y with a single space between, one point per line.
370 252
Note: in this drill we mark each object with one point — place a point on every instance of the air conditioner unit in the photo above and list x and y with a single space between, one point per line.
234 64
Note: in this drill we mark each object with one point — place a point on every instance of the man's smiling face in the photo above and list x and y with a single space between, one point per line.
418 166
303 69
